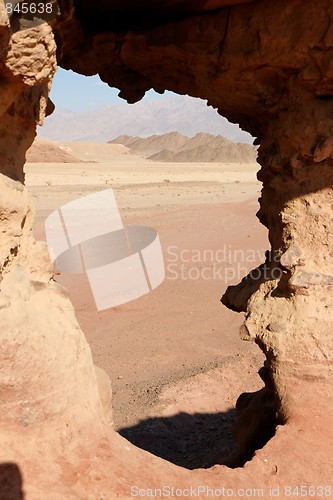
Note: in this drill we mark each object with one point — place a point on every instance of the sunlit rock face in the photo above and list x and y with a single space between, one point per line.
266 66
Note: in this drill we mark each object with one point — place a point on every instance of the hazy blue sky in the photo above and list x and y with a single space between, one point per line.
78 93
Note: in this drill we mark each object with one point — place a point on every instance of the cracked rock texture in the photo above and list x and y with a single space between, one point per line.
263 65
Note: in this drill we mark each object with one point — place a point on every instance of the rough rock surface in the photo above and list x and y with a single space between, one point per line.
263 65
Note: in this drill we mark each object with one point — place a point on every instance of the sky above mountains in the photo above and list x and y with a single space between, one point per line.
79 93
87 110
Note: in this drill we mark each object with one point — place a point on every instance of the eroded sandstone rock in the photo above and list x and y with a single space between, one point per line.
262 65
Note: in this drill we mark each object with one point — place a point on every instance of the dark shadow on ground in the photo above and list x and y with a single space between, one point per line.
10 482
192 441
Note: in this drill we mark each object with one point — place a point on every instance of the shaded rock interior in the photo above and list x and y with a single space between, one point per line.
263 66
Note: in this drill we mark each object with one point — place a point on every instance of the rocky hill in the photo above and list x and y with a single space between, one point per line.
175 147
43 151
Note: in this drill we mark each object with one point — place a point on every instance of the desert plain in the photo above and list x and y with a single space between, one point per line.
174 356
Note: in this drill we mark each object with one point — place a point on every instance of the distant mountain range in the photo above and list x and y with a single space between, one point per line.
171 147
175 147
182 114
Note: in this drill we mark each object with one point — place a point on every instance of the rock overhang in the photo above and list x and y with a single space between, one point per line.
234 54
120 15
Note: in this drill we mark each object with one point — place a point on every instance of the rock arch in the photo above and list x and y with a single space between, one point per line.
267 67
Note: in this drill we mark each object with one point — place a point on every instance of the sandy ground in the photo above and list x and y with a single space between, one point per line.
174 356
